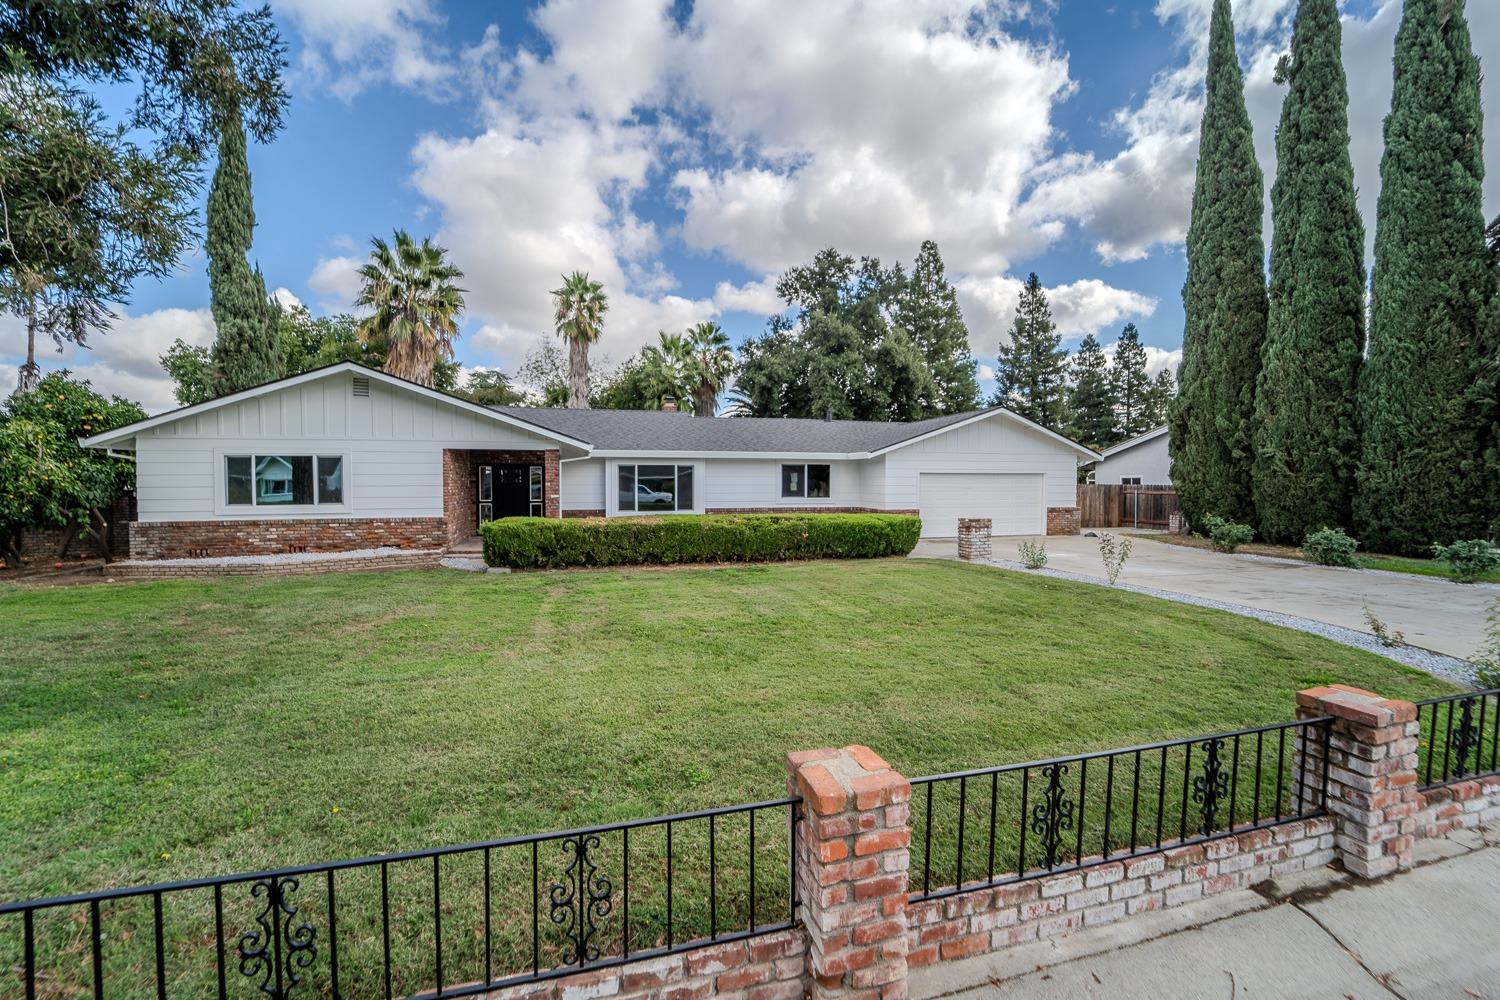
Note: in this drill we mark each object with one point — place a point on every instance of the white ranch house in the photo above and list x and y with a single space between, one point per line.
1140 461
346 457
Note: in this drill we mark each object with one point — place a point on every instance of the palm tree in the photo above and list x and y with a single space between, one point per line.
708 362
580 308
416 305
665 369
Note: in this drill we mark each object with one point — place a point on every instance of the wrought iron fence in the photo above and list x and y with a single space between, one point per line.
451 922
996 825
1459 737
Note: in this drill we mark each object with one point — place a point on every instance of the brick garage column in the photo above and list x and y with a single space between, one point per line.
1372 775
1064 520
852 866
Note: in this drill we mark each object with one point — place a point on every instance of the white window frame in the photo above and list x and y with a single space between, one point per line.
781 478
1130 481
612 486
260 511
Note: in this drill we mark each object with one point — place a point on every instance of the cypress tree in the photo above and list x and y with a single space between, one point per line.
1224 299
1306 403
247 350
1422 475
1131 384
1032 369
1091 401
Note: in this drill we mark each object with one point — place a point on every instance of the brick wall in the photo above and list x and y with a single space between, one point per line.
207 539
459 508
45 544
1462 805
1063 521
156 569
974 538
992 919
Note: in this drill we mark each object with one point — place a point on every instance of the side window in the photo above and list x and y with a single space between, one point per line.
793 481
818 481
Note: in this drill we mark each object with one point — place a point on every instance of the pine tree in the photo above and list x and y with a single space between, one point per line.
1091 400
1224 299
1158 399
1131 383
926 309
1422 476
1032 368
1306 403
246 349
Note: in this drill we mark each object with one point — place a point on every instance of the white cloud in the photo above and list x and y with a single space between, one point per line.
336 282
1078 308
758 297
349 45
124 360
286 299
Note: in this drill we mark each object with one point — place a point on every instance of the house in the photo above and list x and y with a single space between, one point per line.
1142 460
346 457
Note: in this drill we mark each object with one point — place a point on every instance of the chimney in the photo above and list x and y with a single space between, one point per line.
828 412
669 404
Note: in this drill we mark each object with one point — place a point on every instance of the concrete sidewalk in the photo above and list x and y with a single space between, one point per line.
1434 613
1430 932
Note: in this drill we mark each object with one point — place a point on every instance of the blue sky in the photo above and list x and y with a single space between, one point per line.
687 153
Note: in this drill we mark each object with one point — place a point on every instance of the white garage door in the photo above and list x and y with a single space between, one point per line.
1013 502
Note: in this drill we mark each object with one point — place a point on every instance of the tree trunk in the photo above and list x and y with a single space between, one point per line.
578 374
705 401
98 528
12 542
30 374
70 533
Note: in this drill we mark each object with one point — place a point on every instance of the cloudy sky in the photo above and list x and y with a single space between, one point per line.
686 153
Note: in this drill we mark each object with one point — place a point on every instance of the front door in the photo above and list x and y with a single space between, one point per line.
508 490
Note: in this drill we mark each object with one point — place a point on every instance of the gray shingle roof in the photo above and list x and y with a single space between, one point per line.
652 430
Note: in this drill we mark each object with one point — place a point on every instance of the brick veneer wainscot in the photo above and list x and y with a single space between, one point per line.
1064 521
207 539
459 510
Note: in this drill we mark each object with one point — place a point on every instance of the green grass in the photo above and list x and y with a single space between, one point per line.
1419 567
169 730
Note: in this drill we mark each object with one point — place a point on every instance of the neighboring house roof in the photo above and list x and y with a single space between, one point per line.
636 432
1139 439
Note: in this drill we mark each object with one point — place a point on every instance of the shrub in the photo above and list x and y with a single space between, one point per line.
1113 554
1227 535
1033 554
1487 659
1330 547
1385 635
1468 560
534 542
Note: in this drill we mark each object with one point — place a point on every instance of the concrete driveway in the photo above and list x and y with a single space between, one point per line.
1434 613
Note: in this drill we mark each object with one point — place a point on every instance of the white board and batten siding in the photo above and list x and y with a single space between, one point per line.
728 483
995 468
392 442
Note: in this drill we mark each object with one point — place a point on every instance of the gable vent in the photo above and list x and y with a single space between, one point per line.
361 385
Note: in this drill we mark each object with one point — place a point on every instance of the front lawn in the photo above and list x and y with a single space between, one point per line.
168 730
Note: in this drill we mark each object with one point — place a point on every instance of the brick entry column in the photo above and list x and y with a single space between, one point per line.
974 538
1372 775
852 865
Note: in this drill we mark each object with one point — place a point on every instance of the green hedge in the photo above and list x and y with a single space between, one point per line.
534 542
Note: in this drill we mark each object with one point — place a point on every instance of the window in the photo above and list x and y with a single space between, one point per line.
655 489
1130 480
283 480
806 481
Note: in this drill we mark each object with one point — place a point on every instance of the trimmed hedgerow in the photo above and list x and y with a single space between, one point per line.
540 543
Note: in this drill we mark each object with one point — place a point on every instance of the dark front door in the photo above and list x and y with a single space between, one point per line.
507 490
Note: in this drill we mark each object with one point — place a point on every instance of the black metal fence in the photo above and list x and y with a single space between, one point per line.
996 825
1459 737
450 922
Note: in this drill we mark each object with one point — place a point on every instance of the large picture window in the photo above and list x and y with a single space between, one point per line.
283 480
811 481
655 489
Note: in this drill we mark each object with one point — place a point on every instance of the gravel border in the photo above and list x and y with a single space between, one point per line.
1438 664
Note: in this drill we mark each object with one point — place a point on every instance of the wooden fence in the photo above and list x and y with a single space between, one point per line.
1115 506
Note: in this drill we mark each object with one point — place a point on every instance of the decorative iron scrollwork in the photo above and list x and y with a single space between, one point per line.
278 946
1053 816
1464 737
580 901
1211 787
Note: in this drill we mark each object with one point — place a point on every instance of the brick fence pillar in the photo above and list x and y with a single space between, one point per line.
1372 775
974 538
852 863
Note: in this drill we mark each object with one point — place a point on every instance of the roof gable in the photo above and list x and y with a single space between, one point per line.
1139 439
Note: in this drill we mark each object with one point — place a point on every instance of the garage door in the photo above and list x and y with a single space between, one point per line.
1011 501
